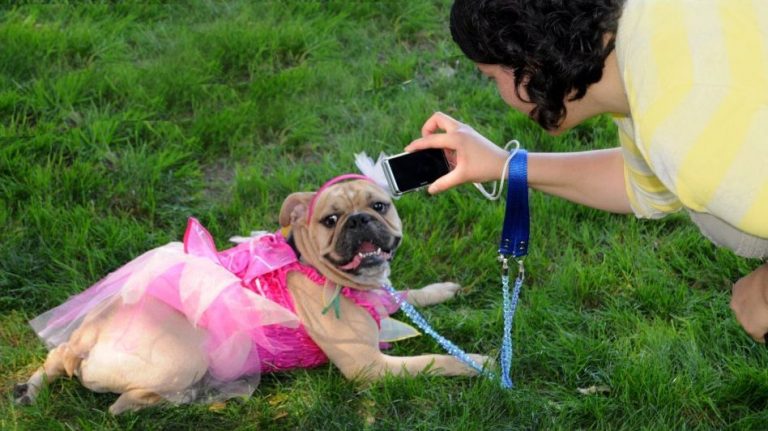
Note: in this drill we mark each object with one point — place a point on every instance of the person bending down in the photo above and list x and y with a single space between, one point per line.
687 85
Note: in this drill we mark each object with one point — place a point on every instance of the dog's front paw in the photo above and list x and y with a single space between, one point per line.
21 394
433 293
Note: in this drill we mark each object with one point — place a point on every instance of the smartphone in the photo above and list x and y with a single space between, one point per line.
411 171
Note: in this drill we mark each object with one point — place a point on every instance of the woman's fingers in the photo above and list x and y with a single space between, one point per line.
437 140
444 183
439 121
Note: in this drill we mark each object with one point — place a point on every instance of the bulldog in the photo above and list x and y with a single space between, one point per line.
184 319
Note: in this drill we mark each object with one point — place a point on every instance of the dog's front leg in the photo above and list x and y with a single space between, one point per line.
432 294
444 365
351 341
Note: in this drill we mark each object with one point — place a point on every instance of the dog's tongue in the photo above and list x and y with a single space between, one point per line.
354 263
365 247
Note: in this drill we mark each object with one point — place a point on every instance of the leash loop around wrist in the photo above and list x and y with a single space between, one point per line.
516 231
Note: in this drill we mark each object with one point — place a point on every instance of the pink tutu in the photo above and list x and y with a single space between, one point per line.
237 296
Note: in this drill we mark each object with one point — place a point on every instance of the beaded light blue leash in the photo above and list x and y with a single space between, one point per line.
514 244
410 311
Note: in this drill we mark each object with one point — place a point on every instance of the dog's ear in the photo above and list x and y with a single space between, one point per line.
295 207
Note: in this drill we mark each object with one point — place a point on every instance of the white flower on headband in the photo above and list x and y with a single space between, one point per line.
373 170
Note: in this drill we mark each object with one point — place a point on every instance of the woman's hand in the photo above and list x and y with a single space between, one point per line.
472 157
594 178
749 301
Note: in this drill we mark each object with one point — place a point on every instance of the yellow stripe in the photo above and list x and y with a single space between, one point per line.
709 159
628 144
672 61
648 183
633 201
755 220
666 208
629 87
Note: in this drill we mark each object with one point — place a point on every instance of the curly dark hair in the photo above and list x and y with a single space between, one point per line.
554 47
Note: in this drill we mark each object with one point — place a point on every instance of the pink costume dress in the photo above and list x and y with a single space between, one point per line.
238 296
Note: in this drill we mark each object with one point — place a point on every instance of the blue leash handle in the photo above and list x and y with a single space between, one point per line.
514 236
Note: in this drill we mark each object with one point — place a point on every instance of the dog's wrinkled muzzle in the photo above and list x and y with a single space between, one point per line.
364 242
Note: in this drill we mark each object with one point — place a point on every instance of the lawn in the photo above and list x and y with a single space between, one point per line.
119 121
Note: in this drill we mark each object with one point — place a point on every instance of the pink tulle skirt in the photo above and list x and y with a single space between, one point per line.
205 286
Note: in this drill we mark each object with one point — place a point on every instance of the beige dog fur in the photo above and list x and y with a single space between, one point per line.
351 342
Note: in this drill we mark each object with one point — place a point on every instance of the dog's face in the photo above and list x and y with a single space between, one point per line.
350 235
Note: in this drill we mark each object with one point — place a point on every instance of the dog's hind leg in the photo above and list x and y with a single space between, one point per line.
432 294
134 400
58 362
65 358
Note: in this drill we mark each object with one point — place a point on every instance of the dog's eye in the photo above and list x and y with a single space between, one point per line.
380 207
330 221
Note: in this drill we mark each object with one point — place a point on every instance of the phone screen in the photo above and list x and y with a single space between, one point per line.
414 170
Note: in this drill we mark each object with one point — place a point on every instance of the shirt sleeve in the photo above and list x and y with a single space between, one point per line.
648 196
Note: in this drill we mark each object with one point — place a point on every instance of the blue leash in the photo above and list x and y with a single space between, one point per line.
514 244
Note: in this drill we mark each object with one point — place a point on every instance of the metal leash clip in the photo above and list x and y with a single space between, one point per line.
504 259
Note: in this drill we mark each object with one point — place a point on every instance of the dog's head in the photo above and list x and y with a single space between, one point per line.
348 231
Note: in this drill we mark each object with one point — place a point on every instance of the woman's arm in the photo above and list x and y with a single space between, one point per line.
593 178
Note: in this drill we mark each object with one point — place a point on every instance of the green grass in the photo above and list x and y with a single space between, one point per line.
119 121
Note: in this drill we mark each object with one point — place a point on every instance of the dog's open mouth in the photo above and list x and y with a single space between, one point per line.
368 254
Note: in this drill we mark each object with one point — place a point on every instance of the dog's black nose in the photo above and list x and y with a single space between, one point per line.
358 221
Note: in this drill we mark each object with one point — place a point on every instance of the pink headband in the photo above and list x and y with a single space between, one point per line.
332 181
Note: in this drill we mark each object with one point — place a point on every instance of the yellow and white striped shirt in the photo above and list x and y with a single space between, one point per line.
696 76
